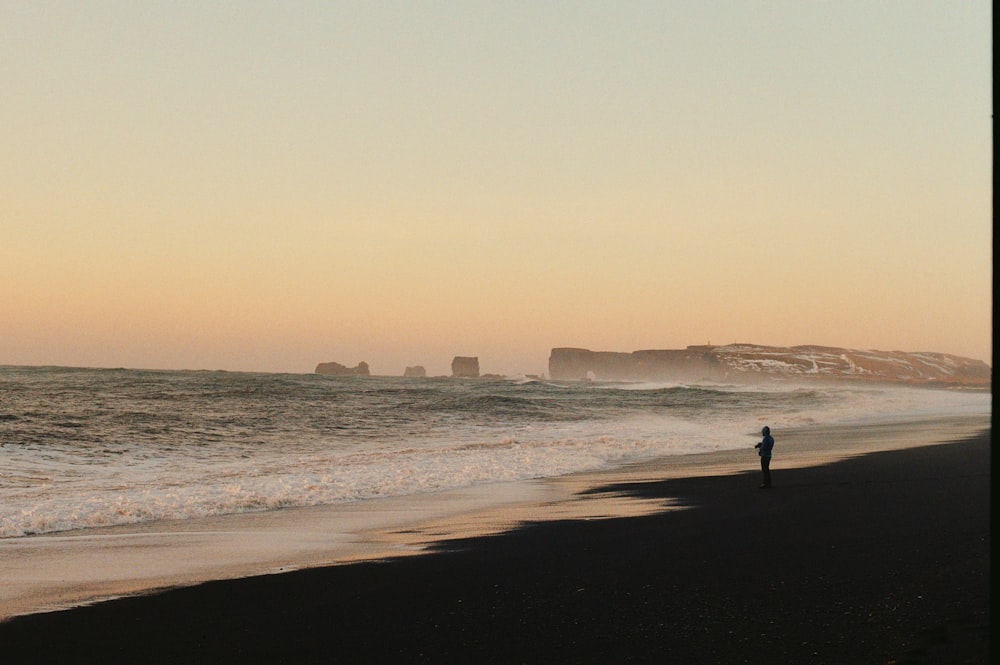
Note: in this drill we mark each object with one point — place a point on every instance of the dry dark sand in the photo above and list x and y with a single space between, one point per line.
882 558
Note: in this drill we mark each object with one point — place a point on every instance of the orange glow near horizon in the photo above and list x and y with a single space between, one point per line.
262 188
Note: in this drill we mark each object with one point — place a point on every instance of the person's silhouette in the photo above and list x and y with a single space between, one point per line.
765 447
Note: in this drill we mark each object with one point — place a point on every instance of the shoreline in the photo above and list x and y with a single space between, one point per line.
874 558
69 569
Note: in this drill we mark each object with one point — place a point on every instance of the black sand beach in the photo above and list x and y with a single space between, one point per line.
882 558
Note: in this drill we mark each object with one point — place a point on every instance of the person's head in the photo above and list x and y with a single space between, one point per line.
766 430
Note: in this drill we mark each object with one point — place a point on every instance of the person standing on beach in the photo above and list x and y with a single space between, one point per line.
765 446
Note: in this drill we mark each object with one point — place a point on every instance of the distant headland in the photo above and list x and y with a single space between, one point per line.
751 362
735 363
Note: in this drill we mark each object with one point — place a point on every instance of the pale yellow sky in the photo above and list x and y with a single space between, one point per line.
265 186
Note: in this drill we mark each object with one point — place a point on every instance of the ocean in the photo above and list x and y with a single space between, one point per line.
83 448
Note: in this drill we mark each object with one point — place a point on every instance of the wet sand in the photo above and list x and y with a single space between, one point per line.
881 557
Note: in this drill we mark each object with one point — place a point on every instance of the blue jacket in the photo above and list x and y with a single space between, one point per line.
766 445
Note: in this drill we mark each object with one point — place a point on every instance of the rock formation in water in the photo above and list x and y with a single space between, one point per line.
417 372
336 369
748 362
465 367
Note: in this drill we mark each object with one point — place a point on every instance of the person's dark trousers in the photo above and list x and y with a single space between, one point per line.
765 470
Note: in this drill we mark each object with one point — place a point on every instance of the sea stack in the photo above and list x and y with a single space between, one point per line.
465 367
417 372
336 369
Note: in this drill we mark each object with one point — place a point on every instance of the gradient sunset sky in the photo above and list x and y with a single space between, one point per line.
268 185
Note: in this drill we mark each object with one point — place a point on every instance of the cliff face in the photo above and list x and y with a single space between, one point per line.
665 365
748 362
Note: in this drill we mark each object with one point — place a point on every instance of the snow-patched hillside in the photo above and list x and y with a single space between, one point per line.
822 361
738 362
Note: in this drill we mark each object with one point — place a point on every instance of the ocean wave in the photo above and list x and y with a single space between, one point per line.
87 448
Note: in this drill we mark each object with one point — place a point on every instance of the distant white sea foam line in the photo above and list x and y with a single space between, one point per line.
231 488
266 484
